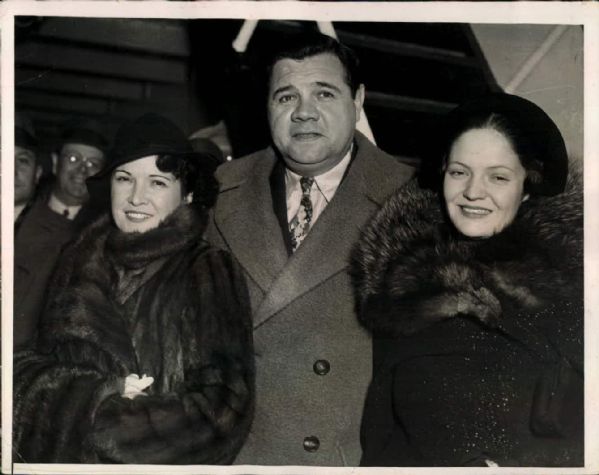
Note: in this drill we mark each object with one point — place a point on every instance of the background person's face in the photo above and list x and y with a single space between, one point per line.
311 112
142 196
27 174
73 166
483 183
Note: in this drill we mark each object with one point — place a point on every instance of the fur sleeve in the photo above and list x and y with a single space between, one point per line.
207 421
54 403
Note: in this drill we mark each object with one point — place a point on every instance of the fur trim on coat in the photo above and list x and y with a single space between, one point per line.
162 303
410 261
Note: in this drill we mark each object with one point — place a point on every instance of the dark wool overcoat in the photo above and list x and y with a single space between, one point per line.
162 303
478 344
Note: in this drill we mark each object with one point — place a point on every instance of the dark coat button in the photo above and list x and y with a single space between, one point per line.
321 367
311 444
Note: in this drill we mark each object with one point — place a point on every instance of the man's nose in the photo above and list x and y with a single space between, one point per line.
305 110
475 189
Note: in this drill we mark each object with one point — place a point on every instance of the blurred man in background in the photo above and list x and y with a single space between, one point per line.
49 221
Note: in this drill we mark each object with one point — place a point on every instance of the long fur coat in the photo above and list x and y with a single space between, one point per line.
478 354
162 303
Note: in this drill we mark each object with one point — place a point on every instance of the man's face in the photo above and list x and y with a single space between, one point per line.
75 163
312 113
27 174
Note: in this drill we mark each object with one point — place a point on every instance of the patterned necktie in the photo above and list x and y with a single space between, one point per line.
300 224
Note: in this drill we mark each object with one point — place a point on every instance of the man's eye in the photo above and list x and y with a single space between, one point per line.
285 98
326 95
73 158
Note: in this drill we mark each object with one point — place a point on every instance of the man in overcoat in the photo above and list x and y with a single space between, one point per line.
290 215
54 217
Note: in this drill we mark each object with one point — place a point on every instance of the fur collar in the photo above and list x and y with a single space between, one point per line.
83 303
410 268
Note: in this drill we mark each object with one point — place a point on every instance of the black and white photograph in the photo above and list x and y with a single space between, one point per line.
299 237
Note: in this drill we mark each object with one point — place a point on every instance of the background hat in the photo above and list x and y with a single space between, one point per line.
86 132
535 137
24 132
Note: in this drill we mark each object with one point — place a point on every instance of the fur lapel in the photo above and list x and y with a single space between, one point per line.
82 307
410 268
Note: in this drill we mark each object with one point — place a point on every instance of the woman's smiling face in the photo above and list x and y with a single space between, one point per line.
142 196
483 185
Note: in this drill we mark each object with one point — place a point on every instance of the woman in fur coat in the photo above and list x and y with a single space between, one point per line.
474 297
145 351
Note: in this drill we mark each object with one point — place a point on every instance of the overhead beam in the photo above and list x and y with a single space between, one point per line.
78 105
163 37
87 85
404 103
116 65
393 47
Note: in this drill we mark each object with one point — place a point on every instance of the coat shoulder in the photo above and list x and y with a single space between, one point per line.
236 171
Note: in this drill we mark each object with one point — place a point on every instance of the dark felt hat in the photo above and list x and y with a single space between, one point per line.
24 132
535 137
86 132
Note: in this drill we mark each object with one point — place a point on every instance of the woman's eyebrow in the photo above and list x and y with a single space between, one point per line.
160 176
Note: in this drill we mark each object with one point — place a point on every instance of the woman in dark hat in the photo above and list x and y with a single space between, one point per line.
474 296
145 350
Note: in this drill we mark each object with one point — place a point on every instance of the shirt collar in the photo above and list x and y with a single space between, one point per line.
59 207
327 182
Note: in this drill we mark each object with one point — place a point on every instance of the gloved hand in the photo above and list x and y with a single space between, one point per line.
134 385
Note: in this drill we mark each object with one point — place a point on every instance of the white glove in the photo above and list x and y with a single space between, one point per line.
134 385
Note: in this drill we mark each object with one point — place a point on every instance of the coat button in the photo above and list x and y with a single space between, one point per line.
311 444
321 367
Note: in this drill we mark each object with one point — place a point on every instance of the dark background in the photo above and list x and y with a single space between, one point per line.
112 70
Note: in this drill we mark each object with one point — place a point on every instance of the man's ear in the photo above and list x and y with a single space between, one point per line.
54 162
359 101
188 198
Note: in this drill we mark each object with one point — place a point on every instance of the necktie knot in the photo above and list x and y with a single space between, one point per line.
306 183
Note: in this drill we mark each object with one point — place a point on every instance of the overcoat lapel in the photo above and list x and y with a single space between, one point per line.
246 220
325 250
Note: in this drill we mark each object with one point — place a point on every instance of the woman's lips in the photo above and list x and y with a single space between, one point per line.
475 212
137 216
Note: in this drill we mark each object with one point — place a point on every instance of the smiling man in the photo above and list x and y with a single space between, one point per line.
290 215
50 221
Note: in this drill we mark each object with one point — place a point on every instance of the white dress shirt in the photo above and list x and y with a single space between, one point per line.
59 207
322 191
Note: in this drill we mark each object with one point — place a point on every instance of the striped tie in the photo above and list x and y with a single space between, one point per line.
300 224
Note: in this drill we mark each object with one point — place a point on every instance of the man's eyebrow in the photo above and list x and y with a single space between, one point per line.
282 89
328 85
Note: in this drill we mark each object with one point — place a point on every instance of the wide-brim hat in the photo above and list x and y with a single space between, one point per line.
545 146
150 134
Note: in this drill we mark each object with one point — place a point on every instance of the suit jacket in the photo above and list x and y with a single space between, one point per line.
313 360
39 240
